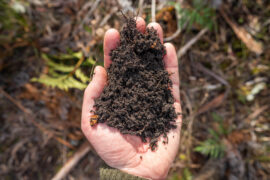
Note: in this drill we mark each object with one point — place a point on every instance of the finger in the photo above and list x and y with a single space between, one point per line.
158 28
140 24
171 65
93 91
111 41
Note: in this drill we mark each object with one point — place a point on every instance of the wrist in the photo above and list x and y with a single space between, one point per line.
107 173
150 172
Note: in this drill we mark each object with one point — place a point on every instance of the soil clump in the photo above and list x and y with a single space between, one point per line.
137 99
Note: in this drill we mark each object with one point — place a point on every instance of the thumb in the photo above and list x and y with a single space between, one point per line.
93 91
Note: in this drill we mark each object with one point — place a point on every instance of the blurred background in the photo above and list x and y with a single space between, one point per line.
48 50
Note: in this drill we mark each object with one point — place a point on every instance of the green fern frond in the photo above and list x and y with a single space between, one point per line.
59 67
71 55
212 148
63 76
62 82
186 175
80 75
222 130
214 134
200 13
89 62
217 117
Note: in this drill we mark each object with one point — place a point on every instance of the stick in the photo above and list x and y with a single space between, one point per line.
71 163
190 120
31 116
18 104
201 68
108 16
94 6
243 35
188 45
140 8
78 64
153 10
177 32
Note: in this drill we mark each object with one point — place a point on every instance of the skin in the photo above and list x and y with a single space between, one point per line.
127 152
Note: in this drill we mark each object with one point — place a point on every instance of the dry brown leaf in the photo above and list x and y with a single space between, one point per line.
72 161
257 112
166 17
243 35
239 136
212 104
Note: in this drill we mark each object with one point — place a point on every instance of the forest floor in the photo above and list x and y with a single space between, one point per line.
225 77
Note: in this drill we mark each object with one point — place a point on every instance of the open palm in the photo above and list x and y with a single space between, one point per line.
127 152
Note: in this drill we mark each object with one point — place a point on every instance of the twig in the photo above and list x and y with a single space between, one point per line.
220 79
208 87
174 35
18 104
217 77
188 45
217 101
108 16
200 67
94 6
190 119
78 64
256 113
153 10
243 35
71 163
31 116
178 31
140 8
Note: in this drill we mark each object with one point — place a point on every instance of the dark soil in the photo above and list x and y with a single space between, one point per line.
137 99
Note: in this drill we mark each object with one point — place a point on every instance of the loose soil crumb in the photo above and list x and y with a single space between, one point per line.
137 99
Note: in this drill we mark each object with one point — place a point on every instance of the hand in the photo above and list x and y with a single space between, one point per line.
127 152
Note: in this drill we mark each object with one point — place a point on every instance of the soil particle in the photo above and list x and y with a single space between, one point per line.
137 99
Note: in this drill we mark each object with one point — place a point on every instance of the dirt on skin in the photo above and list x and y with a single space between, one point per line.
137 99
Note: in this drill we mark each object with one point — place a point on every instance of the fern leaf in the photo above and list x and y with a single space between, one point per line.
59 74
186 175
80 75
62 82
71 55
89 62
73 83
214 134
59 67
212 148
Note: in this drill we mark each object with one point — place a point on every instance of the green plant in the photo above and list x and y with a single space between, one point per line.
12 21
63 74
200 13
11 15
213 146
186 174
